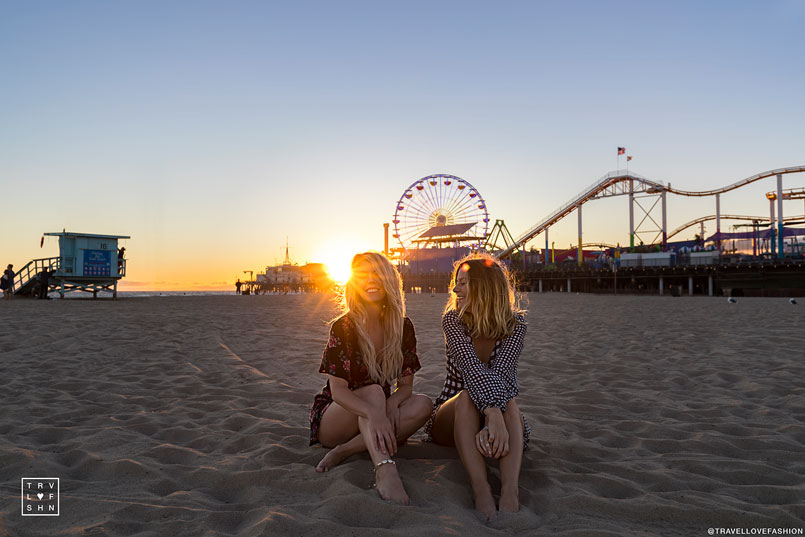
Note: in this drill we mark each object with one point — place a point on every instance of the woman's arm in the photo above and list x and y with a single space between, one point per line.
508 356
405 388
487 387
380 427
344 397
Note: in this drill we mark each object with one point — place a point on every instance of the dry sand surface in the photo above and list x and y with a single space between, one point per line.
189 416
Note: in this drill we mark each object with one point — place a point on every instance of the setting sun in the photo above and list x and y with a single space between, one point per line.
337 256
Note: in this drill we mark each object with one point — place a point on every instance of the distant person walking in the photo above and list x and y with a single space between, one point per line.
237 286
7 282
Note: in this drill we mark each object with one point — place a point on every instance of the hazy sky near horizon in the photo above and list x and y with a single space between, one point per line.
211 131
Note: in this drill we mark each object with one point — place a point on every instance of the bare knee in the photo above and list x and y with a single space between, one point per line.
463 400
464 405
422 406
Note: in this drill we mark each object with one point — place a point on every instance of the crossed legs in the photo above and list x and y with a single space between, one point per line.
345 433
457 422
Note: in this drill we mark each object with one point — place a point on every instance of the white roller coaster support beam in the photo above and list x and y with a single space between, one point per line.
718 222
579 256
664 225
772 240
631 215
780 237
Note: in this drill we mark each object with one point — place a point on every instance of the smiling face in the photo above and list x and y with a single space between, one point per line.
367 282
461 289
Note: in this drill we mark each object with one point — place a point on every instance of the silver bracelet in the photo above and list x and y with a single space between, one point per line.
384 461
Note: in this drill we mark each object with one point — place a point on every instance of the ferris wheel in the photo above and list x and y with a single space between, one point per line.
440 200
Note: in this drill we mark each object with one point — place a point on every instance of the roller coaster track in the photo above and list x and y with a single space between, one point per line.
764 220
788 194
617 183
739 184
612 184
572 248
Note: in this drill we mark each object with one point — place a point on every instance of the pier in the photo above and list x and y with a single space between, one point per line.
757 278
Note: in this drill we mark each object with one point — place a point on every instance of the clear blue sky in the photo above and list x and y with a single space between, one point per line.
210 131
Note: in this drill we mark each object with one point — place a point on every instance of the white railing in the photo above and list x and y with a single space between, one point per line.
32 269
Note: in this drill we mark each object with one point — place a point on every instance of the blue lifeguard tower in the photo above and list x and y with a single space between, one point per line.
86 262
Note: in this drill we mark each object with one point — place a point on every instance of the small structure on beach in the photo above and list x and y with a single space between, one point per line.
86 262
286 277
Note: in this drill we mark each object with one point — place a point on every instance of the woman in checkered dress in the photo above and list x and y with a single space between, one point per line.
477 411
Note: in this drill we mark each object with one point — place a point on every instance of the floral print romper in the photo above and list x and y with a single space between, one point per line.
342 358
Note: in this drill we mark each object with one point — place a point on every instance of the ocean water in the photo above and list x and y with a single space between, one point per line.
140 294
54 295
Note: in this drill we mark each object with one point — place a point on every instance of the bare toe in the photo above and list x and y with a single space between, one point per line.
333 458
485 504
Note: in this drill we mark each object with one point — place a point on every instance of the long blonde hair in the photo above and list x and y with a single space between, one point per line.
384 365
491 307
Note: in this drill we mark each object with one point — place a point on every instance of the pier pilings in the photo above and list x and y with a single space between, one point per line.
761 278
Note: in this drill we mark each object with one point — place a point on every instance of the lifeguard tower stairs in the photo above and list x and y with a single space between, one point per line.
86 263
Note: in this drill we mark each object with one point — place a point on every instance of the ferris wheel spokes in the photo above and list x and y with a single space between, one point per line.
439 200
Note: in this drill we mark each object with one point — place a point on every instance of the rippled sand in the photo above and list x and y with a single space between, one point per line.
188 416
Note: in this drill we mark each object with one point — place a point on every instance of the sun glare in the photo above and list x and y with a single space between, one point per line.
338 257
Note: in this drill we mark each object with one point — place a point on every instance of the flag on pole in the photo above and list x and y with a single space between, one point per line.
621 150
628 158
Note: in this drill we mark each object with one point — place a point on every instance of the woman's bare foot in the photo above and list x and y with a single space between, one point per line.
509 501
333 458
389 485
485 503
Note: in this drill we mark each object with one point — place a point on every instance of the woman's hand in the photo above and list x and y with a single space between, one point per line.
393 414
482 442
382 433
497 436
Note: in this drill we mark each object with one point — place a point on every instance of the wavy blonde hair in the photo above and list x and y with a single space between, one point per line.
491 307
384 365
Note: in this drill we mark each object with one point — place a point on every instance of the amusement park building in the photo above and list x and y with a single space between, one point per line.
287 275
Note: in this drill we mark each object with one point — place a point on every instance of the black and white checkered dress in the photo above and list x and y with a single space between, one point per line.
489 385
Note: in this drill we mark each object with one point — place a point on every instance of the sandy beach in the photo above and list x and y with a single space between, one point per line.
188 416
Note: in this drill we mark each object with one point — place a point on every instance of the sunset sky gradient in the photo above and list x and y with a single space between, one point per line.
210 131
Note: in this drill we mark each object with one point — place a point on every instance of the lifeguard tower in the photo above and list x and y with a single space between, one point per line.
86 262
